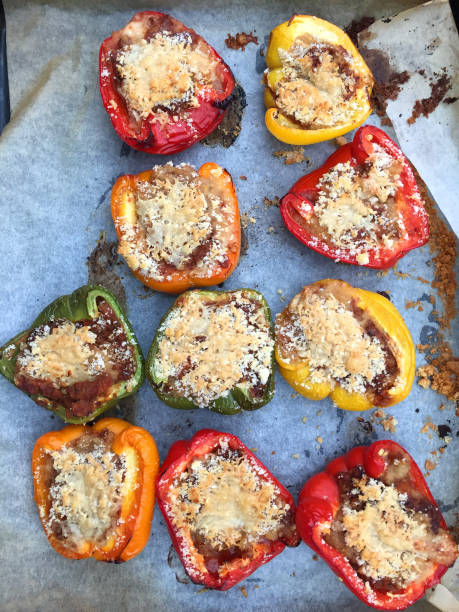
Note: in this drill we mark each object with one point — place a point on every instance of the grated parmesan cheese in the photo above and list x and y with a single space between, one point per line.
209 346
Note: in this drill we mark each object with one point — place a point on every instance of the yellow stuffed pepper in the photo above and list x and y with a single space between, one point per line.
317 84
338 340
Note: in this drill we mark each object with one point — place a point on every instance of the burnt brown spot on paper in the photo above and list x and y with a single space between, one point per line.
240 40
230 127
439 87
101 263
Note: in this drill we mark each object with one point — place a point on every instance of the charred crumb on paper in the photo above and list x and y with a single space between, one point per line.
230 127
269 203
240 40
291 156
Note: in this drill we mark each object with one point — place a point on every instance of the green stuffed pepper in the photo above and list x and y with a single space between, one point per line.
78 358
214 349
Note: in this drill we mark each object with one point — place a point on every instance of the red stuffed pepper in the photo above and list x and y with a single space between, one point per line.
226 513
371 517
162 84
362 206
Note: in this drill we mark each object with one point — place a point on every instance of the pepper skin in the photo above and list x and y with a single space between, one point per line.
318 503
181 455
237 399
77 306
389 320
124 212
282 37
150 134
408 201
138 448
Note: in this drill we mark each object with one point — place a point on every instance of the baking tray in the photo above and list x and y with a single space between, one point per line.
59 157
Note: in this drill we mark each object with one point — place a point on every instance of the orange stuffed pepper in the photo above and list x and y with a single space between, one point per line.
94 489
178 227
317 84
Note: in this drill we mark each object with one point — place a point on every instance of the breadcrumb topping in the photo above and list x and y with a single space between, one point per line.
318 85
85 497
165 71
222 503
180 221
319 328
210 345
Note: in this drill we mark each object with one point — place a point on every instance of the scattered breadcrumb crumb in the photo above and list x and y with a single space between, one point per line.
254 449
245 220
243 177
319 439
304 419
252 220
274 202
240 40
430 466
296 456
271 229
244 591
387 422
295 156
319 412
203 590
341 140
315 557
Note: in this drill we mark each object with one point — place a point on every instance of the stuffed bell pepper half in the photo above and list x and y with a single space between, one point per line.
163 86
362 207
226 513
351 344
94 489
371 517
178 227
317 84
78 358
214 349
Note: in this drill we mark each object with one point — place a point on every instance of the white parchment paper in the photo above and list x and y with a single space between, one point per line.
59 158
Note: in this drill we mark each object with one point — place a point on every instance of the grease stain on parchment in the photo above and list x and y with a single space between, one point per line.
230 127
101 263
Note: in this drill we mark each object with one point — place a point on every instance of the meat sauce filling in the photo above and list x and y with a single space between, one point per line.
405 539
231 511
104 358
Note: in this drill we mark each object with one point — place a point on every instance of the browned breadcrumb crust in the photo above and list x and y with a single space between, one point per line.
450 100
441 372
383 91
388 422
439 86
295 156
240 40
358 25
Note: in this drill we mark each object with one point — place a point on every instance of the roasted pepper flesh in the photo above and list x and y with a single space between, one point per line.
81 305
224 569
129 445
123 207
320 501
297 206
378 312
243 395
282 38
163 131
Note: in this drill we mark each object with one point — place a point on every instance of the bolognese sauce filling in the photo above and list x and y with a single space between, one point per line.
161 67
354 207
340 342
210 346
84 480
223 509
76 363
388 531
181 222
318 85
